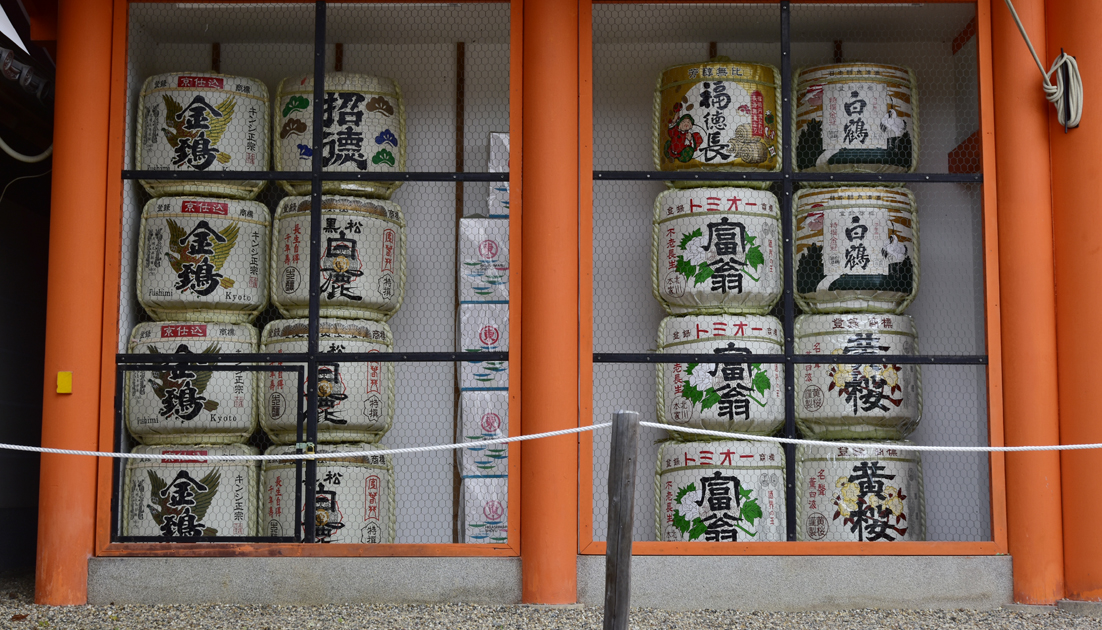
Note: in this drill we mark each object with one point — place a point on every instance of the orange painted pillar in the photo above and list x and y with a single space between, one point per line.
74 300
1076 170
549 368
1030 392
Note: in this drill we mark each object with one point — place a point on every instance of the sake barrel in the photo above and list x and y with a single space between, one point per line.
483 415
202 122
873 401
716 250
203 259
856 250
485 514
482 327
483 260
856 118
184 403
724 491
176 498
363 131
363 263
849 494
354 498
355 400
718 115
744 397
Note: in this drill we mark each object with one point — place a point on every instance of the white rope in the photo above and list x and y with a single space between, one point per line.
868 445
29 159
294 456
1059 94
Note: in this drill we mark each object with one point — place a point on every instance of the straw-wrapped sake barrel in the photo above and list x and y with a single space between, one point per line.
203 259
363 260
718 115
856 250
484 517
363 131
183 403
354 501
745 397
202 122
856 118
725 491
716 250
174 498
869 401
355 400
848 494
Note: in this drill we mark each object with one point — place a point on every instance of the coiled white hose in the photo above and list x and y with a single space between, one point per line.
1068 99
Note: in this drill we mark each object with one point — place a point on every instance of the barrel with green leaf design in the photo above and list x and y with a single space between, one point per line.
723 491
741 397
716 250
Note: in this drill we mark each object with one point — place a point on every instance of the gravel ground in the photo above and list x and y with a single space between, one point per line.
18 611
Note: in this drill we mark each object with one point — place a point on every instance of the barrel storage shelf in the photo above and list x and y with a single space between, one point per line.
451 62
632 45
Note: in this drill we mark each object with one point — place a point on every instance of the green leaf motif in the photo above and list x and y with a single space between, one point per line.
754 257
751 511
680 522
761 382
685 267
682 492
704 272
744 492
750 240
698 529
692 393
711 399
690 236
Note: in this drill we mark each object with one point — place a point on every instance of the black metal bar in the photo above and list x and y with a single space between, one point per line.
300 418
211 360
789 297
787 174
796 359
309 514
202 363
116 465
423 176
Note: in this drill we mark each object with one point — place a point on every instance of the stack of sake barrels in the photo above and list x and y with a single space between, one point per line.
362 282
483 319
202 276
856 269
717 272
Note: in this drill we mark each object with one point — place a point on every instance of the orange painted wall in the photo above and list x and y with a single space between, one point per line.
1031 413
1076 160
74 297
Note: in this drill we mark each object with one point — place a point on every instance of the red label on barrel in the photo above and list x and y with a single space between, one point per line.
195 206
183 330
757 114
169 460
199 82
388 250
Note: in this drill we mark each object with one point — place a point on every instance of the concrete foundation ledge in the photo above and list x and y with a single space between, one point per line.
304 581
796 583
1080 608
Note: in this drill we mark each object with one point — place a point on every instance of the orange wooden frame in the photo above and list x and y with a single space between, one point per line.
998 542
111 265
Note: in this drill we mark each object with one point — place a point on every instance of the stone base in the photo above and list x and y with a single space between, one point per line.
796 583
1082 609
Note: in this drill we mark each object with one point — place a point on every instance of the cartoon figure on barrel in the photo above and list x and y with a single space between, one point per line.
683 141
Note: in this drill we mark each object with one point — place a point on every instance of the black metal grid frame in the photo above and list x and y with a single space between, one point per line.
306 473
787 178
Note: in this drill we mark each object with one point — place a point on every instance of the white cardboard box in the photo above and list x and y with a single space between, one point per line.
483 328
483 260
483 416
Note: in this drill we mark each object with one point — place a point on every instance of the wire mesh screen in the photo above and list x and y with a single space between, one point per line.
926 122
409 89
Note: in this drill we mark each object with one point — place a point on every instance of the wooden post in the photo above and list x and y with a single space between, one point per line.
621 513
